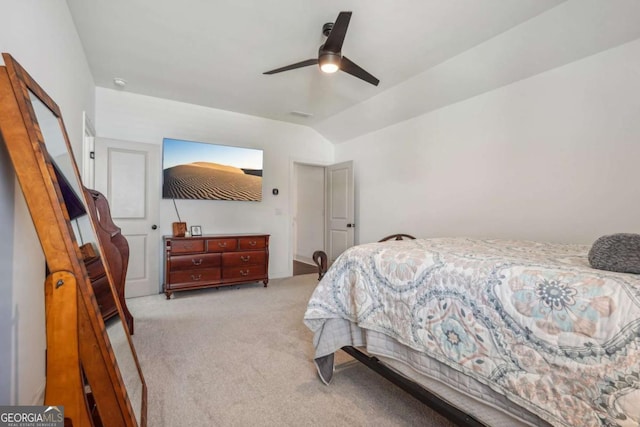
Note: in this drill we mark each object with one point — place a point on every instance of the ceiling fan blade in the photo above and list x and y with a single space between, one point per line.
339 30
301 64
355 70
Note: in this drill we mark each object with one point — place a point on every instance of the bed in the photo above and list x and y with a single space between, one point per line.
508 332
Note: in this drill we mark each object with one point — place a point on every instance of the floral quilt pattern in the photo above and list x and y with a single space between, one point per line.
531 320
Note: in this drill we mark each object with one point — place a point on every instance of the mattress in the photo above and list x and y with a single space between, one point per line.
453 387
531 321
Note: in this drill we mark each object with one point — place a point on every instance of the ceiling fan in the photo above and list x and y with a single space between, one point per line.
330 58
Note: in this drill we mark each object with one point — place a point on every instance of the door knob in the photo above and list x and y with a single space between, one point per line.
351 226
154 227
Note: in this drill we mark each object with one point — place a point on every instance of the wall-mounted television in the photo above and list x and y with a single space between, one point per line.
199 170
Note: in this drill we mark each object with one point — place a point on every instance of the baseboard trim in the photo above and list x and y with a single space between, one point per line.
304 260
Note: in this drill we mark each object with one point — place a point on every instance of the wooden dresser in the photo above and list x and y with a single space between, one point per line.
215 260
101 287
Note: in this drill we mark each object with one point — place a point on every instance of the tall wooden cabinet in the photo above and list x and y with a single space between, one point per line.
215 260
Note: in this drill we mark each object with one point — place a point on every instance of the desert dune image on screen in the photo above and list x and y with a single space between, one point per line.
198 170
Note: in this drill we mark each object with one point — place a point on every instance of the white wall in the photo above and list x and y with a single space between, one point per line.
309 211
553 157
41 36
130 117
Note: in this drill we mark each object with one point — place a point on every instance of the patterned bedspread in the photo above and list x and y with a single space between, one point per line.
531 320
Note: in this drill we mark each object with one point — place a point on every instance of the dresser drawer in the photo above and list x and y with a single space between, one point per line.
104 296
252 243
245 273
194 261
94 267
186 246
237 259
193 277
221 245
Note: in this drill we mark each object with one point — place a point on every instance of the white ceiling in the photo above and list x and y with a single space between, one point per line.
213 53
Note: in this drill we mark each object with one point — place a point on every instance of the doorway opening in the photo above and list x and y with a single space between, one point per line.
323 212
308 216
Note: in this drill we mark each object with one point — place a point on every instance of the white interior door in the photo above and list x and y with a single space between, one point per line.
340 209
128 174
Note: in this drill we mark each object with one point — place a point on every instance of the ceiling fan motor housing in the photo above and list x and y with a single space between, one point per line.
326 28
328 58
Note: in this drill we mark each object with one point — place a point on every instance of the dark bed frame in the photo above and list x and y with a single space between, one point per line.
450 412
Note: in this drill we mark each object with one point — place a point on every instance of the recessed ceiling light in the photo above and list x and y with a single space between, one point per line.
119 82
301 114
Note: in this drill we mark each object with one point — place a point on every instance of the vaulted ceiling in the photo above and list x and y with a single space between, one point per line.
213 53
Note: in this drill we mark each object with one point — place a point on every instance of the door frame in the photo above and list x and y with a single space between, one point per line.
292 206
320 200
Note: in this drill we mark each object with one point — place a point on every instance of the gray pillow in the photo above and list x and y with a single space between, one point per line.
616 252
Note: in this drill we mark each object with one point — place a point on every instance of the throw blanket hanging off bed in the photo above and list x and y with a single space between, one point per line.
531 320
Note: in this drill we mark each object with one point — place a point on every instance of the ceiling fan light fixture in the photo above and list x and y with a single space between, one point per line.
329 68
329 62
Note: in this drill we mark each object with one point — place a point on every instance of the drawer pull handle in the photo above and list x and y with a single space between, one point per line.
196 261
252 243
244 273
245 258
196 276
222 244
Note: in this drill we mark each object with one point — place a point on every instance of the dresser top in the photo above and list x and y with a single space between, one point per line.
215 236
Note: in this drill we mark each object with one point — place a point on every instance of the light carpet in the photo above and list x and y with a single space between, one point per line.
241 356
